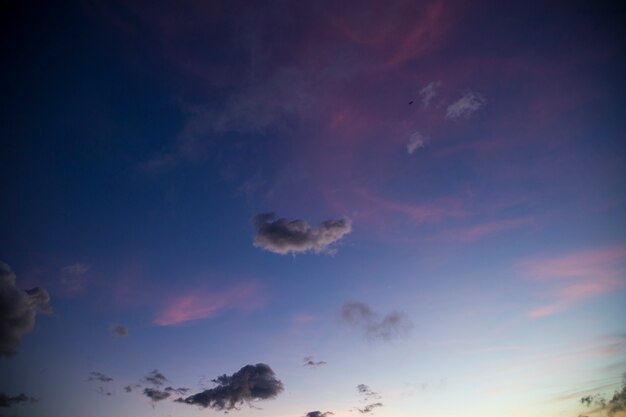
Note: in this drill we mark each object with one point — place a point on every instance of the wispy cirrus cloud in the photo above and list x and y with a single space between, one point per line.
202 304
467 105
429 92
577 277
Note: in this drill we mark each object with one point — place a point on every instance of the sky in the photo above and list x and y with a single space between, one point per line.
313 208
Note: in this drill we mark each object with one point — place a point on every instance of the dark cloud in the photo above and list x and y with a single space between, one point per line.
367 392
318 414
155 378
369 408
465 106
285 236
131 387
374 326
120 330
252 382
155 394
178 391
308 361
98 376
7 401
616 404
18 309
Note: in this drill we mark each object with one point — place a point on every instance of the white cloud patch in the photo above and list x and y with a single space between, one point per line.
465 106
429 92
285 236
415 142
73 277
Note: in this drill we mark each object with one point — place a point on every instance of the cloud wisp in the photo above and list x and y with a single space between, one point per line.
613 406
200 304
467 105
576 277
415 142
318 414
119 330
374 326
250 383
283 236
18 309
368 396
429 92
311 363
73 277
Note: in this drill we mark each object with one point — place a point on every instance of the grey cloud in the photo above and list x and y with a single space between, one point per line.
155 378
374 326
178 391
120 330
285 236
98 376
367 392
8 401
318 414
429 92
309 361
465 106
131 387
155 394
252 382
369 408
18 309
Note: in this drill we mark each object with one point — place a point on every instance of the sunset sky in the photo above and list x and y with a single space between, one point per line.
276 208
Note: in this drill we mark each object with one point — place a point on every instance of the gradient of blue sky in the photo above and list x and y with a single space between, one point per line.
139 140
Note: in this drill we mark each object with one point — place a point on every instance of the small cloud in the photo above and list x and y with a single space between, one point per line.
283 236
7 401
415 142
178 391
367 392
387 327
252 382
99 377
120 330
308 361
369 408
318 414
18 309
73 277
613 406
465 106
155 394
131 387
155 378
429 92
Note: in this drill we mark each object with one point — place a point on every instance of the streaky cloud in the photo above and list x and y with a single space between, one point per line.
429 92
283 236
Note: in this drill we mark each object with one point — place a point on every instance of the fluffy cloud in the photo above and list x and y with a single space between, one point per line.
18 309
308 361
465 106
318 414
416 141
375 326
252 382
285 236
8 401
429 92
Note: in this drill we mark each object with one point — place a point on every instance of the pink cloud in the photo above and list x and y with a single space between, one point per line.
196 305
578 277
